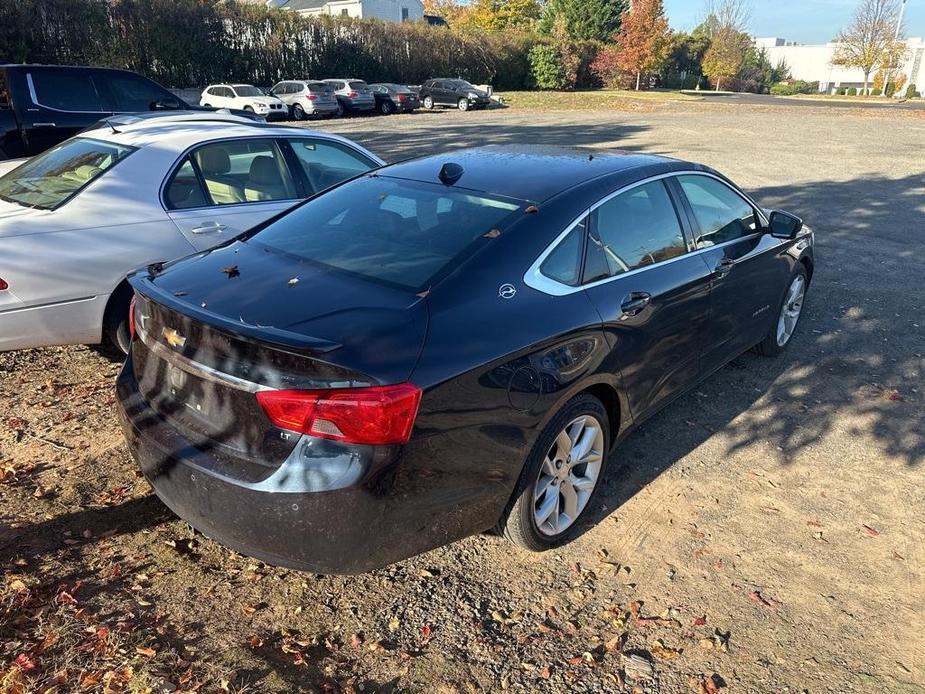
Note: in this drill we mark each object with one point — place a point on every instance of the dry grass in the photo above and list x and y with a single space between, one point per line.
602 99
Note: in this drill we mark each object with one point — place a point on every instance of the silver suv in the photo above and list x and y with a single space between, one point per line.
352 96
306 98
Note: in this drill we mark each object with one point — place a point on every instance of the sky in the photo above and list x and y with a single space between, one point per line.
803 21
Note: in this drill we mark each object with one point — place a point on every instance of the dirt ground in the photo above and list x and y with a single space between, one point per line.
762 534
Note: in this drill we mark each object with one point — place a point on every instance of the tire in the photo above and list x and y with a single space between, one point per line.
463 105
207 105
298 112
520 523
341 111
115 319
428 102
386 108
791 304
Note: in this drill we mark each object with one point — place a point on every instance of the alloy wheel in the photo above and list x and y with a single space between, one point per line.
298 112
568 475
790 310
463 105
428 102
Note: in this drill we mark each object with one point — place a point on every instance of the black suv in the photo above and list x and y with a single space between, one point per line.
453 92
42 105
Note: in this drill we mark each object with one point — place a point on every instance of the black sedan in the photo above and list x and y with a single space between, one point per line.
394 98
443 346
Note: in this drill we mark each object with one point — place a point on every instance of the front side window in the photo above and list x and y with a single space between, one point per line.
66 90
402 233
722 214
328 163
233 172
632 230
51 179
247 90
133 94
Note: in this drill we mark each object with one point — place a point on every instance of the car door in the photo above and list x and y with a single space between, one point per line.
747 272
652 293
64 102
221 189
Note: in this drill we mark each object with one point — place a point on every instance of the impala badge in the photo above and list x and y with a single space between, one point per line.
173 338
507 291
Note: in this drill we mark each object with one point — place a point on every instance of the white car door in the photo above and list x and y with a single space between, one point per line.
222 189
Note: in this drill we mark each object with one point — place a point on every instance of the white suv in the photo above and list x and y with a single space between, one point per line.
306 98
246 97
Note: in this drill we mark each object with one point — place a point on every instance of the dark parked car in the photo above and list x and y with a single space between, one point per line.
453 92
42 105
444 346
394 98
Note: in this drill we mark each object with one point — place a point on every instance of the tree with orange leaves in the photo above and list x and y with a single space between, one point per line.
644 38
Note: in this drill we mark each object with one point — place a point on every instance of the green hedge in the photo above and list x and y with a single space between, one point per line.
190 43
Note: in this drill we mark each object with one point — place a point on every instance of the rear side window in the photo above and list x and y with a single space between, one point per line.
402 233
637 228
328 163
564 263
65 90
51 179
234 172
722 214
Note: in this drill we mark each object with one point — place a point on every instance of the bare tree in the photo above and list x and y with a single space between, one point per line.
728 14
872 38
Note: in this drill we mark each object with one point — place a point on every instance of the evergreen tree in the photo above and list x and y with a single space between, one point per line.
585 19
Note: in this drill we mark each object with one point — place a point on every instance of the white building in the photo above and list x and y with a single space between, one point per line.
386 10
814 63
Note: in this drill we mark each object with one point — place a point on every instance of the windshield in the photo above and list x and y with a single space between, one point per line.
51 179
462 84
403 233
247 90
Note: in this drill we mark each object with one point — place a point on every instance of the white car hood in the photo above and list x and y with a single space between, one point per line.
10 210
262 99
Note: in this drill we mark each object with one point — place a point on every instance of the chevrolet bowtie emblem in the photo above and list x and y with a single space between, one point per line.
173 338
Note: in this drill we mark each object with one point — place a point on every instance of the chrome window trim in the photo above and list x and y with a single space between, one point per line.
537 280
35 98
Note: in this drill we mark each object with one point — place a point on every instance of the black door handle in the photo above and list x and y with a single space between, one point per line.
724 267
635 302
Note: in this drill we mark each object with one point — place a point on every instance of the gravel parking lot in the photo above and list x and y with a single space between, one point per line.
763 533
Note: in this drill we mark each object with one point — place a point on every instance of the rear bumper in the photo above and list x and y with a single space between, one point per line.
361 105
369 518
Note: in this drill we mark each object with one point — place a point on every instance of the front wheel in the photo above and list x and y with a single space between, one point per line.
428 102
116 317
560 476
249 109
788 315
463 105
298 112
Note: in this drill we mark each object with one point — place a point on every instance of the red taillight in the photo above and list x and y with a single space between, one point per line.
3 284
131 318
353 95
377 415
311 97
402 97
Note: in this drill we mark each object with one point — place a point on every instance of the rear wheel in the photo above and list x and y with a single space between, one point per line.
386 108
298 112
788 315
463 105
207 105
560 477
115 319
339 111
428 102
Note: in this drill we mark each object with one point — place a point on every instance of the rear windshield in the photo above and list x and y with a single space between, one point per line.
247 90
358 85
54 177
317 86
402 233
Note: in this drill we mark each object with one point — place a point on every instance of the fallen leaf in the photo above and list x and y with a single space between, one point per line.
699 622
25 663
147 652
231 271
660 650
394 624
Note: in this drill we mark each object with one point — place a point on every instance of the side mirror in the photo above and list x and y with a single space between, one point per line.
166 105
783 225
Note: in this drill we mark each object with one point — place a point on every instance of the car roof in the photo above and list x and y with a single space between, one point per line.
534 172
180 130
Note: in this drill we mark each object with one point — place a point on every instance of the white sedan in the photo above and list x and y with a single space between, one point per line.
245 97
139 190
